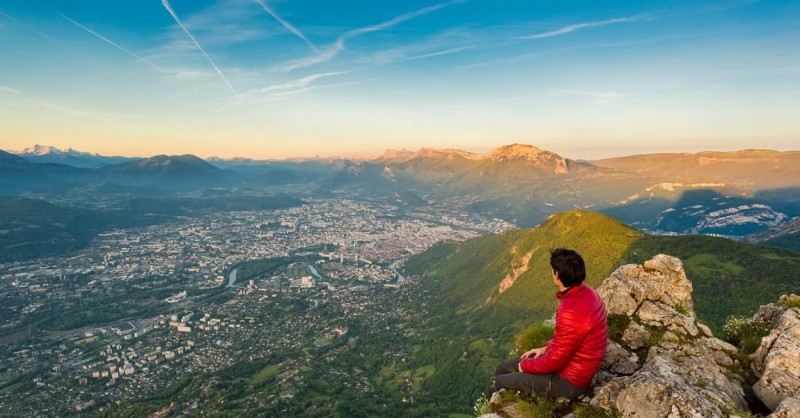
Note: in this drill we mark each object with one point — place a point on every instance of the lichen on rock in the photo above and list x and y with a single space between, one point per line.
777 359
686 372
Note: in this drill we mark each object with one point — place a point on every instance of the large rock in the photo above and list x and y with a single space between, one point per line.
686 371
788 408
661 279
657 390
619 361
777 359
635 336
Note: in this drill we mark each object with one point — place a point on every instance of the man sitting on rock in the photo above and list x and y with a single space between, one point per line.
566 366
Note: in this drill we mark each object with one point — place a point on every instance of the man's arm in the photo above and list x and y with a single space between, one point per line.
567 337
533 353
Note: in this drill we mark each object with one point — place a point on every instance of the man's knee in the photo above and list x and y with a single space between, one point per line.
510 366
500 369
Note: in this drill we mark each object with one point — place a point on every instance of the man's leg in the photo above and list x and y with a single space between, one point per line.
561 387
520 382
510 366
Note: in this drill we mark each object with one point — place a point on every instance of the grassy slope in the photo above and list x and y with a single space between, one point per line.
729 277
469 274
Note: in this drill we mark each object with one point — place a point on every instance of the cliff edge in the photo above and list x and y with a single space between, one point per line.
662 362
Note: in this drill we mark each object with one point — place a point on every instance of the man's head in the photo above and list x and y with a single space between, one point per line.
568 267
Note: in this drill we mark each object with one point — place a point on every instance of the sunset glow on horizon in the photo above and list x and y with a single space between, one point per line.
275 79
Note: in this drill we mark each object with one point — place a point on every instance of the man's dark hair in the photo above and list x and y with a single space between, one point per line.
569 266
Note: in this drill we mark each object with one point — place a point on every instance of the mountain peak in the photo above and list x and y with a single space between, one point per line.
544 160
446 153
577 219
49 150
515 151
8 157
396 155
186 165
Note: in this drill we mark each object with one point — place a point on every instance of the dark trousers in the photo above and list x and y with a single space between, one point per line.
507 376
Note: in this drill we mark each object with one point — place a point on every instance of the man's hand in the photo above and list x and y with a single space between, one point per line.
533 353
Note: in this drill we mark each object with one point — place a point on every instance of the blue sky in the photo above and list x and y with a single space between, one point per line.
273 79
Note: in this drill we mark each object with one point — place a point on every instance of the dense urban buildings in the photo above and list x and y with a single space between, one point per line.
143 308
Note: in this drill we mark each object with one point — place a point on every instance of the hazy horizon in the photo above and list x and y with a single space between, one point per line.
377 154
268 79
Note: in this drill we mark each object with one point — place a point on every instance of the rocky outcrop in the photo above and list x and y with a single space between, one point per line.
777 359
663 363
660 362
788 408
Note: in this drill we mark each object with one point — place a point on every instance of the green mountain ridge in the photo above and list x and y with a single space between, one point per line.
492 279
472 324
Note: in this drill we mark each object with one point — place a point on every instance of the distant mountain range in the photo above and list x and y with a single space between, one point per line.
747 170
175 168
19 175
680 193
725 193
69 156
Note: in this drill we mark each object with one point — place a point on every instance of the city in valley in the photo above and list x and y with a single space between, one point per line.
149 313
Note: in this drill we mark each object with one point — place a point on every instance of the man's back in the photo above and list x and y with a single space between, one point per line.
579 343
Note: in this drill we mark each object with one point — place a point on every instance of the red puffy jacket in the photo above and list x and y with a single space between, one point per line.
579 343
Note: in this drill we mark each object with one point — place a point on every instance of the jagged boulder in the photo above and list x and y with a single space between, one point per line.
661 279
664 364
788 408
777 359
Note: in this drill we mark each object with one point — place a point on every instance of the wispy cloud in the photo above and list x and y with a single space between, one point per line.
32 29
298 83
790 69
46 103
286 94
339 45
451 41
291 28
200 48
432 54
439 53
285 91
110 42
599 96
550 52
578 26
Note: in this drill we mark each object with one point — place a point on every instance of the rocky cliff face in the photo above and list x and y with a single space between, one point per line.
661 362
777 359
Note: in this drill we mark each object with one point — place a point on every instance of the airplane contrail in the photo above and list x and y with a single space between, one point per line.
32 29
47 104
110 42
339 45
291 28
200 48
578 26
